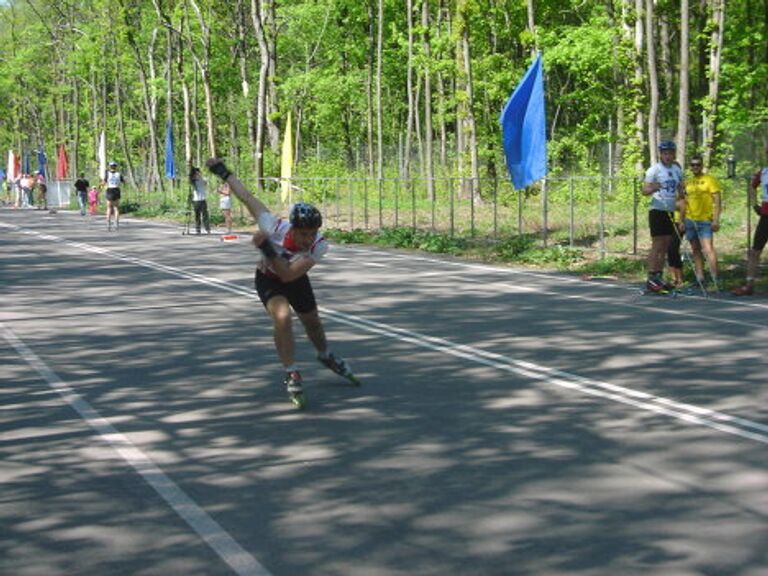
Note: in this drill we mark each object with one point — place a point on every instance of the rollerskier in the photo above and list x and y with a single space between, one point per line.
287 249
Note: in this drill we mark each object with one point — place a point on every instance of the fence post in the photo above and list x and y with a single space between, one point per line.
453 207
602 217
519 212
365 202
413 203
472 207
431 200
634 216
351 205
380 185
749 220
338 200
495 209
571 225
397 202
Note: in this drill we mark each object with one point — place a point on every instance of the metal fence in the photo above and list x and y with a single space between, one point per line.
605 214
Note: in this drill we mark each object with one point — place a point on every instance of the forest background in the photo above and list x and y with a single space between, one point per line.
381 89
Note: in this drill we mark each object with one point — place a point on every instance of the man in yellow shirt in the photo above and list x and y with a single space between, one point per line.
702 218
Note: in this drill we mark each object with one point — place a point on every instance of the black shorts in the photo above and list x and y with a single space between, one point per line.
661 223
299 293
761 234
113 194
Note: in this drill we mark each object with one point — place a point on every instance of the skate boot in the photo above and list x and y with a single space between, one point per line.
746 290
655 286
294 388
338 365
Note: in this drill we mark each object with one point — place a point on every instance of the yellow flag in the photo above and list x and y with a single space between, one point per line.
286 164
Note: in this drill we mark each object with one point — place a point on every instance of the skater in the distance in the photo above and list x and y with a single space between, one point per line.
112 180
664 184
290 248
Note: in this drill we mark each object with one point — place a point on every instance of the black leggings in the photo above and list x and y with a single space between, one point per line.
201 211
761 234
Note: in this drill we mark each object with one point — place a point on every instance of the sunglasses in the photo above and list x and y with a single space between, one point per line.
696 164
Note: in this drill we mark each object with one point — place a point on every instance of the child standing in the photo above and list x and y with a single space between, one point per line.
93 200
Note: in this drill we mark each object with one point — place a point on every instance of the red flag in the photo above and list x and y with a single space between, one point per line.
62 166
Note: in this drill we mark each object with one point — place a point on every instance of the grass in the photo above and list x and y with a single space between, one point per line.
573 241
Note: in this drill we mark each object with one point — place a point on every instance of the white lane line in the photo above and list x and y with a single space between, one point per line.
539 275
684 412
196 518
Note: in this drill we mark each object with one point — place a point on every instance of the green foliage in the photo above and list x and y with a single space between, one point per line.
401 237
614 266
69 71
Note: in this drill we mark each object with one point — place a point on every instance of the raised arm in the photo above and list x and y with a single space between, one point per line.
255 206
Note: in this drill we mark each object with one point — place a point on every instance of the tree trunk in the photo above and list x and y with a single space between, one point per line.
270 34
406 168
261 98
684 101
187 106
379 64
203 62
369 88
469 116
429 168
139 60
242 57
653 82
442 107
717 8
639 82
665 62
120 128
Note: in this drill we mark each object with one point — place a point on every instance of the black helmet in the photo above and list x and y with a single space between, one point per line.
305 215
667 145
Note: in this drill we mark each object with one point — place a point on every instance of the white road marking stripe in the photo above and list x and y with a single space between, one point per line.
206 527
685 412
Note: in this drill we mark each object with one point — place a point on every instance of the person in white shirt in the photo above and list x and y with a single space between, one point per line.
289 248
112 180
199 201
664 184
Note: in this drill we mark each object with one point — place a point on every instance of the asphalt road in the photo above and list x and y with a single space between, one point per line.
510 422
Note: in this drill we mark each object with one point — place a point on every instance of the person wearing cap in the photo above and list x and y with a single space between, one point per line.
664 183
288 249
759 182
112 180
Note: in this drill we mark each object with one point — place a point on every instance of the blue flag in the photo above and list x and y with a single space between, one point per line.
170 163
41 161
524 130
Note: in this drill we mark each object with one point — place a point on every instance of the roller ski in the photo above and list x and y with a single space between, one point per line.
293 385
339 366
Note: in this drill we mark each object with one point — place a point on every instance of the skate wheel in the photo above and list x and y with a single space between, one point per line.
353 379
299 401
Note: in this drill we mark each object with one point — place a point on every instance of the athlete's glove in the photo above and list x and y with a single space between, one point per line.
220 170
756 208
267 249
